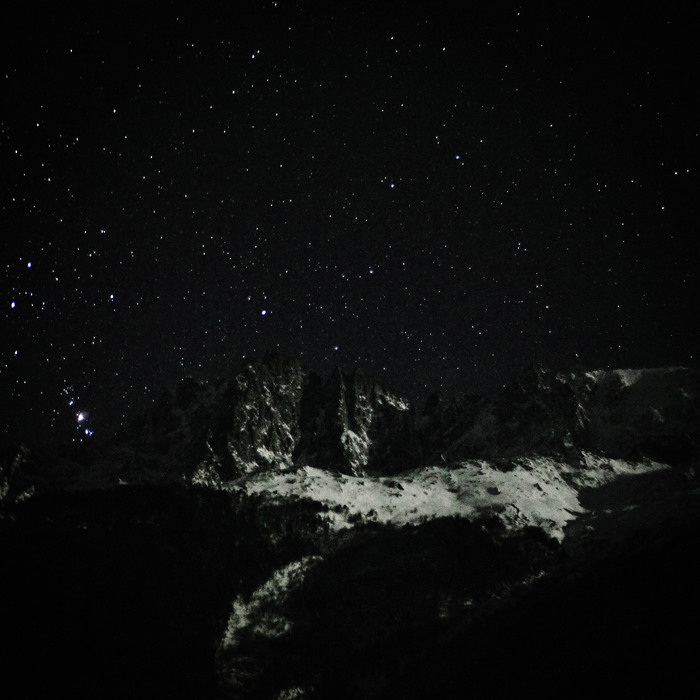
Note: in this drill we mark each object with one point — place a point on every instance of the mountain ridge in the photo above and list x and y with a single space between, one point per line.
278 414
281 535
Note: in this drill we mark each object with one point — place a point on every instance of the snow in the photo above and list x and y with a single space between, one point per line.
267 455
536 491
609 469
252 612
356 447
261 615
627 377
396 402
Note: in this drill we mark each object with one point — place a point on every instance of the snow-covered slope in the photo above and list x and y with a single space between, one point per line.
533 492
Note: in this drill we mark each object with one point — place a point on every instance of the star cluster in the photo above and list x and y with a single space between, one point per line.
439 196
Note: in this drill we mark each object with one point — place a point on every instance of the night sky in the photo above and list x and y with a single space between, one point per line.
438 196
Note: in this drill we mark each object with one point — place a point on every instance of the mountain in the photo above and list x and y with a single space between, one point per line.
620 413
277 413
278 534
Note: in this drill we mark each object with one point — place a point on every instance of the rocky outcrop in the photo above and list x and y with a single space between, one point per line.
651 413
620 413
276 414
13 462
351 423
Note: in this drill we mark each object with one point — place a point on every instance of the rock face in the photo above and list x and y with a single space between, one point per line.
248 422
620 413
353 424
282 535
278 414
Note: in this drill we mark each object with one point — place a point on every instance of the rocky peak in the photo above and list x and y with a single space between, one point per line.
621 413
642 412
352 423
276 413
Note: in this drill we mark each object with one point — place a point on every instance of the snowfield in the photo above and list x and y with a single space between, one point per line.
533 491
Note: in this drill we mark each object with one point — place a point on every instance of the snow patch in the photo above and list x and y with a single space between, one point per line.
396 402
267 455
598 470
260 614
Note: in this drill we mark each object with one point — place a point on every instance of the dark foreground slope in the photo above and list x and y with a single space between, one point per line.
122 593
127 596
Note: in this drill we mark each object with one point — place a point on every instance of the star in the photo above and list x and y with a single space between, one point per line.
374 202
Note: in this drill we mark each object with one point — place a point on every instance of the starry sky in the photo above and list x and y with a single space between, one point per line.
440 196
